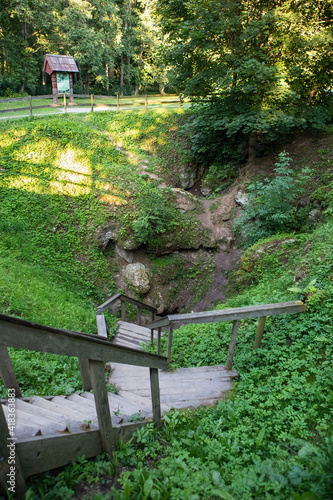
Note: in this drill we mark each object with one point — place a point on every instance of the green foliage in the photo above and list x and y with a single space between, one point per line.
270 207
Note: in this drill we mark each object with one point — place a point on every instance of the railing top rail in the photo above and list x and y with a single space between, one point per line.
23 334
236 313
120 296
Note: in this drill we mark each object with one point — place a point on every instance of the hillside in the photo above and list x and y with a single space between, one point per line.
64 184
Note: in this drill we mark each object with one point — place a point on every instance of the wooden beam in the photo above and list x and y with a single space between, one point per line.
119 296
232 345
170 334
11 475
7 372
97 375
155 397
260 332
85 374
22 334
40 454
233 314
159 331
103 307
103 328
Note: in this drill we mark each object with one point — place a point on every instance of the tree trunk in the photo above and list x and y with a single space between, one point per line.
252 153
122 74
162 89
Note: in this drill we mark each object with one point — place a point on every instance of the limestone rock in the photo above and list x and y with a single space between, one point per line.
125 254
128 243
185 202
315 215
241 198
188 175
138 276
105 234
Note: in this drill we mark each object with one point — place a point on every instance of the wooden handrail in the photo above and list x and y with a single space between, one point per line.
124 298
234 314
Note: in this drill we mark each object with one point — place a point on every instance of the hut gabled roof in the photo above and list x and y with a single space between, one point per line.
65 64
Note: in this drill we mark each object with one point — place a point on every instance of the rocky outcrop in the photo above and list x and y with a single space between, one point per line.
138 277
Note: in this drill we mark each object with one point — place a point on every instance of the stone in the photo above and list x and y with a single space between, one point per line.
128 243
137 276
188 174
125 254
314 215
105 234
241 198
185 202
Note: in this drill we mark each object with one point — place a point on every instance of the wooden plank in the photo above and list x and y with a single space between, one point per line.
103 328
233 314
139 314
102 404
85 374
21 334
259 333
7 372
66 411
169 342
11 475
155 397
40 454
120 296
232 344
159 340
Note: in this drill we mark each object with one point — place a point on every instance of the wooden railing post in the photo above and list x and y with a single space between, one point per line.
155 396
159 330
102 404
92 103
123 310
152 336
117 102
103 328
65 104
232 344
138 308
7 448
260 332
85 374
7 372
170 333
30 105
146 102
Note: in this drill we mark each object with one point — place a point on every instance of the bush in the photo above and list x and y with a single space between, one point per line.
270 208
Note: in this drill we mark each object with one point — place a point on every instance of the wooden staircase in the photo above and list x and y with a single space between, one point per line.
50 432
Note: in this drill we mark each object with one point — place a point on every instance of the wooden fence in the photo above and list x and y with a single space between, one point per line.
90 102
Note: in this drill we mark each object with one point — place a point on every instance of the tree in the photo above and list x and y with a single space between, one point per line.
263 66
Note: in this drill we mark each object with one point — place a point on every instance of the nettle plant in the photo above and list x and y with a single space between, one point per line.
270 208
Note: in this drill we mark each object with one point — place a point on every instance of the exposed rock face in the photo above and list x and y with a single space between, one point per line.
105 234
241 198
128 243
185 202
315 215
188 174
138 276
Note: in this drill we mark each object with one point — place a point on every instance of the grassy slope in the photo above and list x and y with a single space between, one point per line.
60 179
252 445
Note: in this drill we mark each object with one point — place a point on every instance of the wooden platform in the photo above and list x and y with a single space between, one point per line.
181 388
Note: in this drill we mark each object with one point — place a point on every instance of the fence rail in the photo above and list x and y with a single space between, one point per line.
90 101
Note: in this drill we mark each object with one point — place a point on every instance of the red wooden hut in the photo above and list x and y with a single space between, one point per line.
61 69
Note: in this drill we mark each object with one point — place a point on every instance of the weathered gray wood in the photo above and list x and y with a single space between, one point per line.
236 313
120 296
232 344
155 397
159 340
152 336
123 310
85 374
102 405
9 458
138 308
260 332
103 328
7 372
170 333
22 334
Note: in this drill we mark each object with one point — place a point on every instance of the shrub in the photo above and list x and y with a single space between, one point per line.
270 208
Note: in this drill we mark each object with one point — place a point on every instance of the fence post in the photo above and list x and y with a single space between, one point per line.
92 103
117 102
155 396
232 344
180 102
30 105
65 104
146 102
7 372
169 342
260 332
